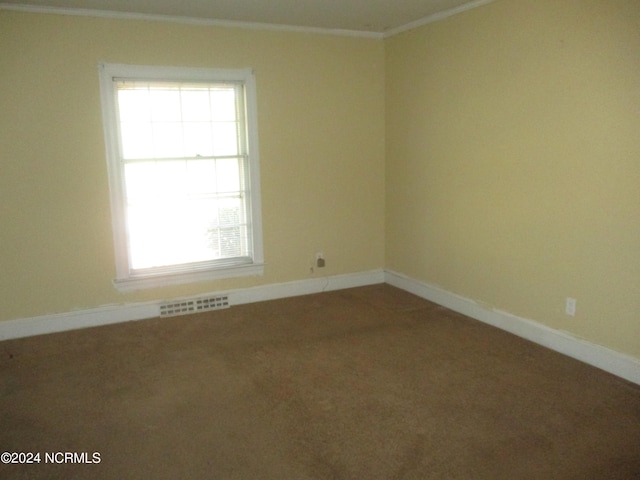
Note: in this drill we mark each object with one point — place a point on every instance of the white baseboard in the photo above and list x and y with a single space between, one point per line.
59 322
27 327
621 365
305 287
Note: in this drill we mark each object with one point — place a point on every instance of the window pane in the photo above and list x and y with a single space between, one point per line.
225 138
168 140
229 242
165 105
223 104
226 231
201 177
169 234
185 232
198 139
153 182
175 215
137 188
228 175
134 105
137 140
195 105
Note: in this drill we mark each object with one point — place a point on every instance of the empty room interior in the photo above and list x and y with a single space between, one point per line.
431 261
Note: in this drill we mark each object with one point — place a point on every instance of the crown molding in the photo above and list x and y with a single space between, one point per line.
436 17
206 22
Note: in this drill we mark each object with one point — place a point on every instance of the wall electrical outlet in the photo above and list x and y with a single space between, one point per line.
320 260
570 306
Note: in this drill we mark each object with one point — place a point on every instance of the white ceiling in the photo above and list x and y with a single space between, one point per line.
366 16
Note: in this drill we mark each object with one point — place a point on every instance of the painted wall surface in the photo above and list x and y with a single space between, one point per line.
511 143
513 161
321 133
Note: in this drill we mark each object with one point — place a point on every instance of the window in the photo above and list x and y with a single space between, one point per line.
183 173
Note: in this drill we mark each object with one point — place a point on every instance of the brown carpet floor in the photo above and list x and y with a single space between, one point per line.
365 383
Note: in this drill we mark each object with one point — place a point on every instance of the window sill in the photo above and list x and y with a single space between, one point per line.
155 281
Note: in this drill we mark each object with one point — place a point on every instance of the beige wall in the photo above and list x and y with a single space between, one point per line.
321 128
513 161
512 157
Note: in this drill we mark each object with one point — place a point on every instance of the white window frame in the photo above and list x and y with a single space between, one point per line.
127 279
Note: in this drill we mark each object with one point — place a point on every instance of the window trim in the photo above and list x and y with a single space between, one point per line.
126 280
